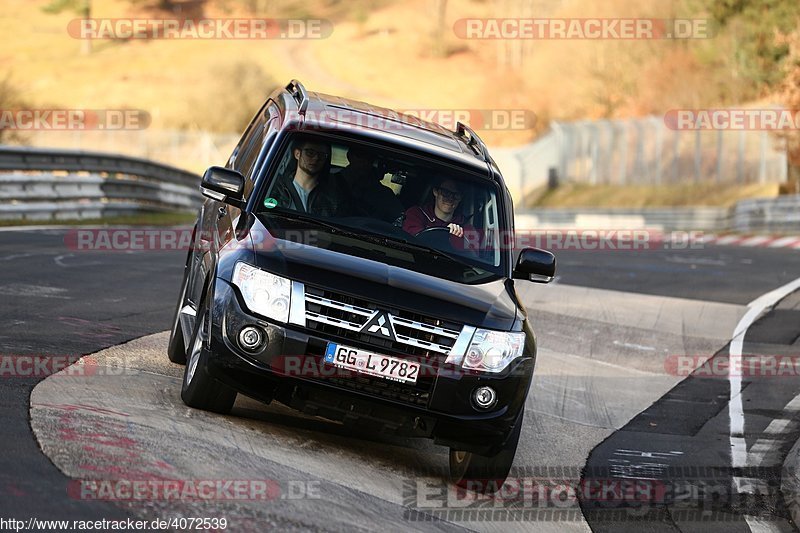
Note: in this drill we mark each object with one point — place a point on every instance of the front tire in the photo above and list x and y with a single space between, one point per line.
176 350
200 390
485 474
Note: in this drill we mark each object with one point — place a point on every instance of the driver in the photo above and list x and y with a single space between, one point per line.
442 212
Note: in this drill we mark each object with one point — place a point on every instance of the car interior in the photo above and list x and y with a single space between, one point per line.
413 182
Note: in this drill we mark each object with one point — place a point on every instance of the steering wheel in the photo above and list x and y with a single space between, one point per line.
436 237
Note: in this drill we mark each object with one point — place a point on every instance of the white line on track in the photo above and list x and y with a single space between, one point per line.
60 259
777 426
33 228
794 405
739 456
760 525
16 256
634 346
766 449
611 365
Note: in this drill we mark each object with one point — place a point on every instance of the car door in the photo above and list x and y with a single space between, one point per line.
216 220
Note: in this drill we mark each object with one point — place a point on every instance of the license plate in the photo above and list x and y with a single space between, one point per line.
370 363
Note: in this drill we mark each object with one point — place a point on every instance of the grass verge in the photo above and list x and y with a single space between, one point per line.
143 219
635 196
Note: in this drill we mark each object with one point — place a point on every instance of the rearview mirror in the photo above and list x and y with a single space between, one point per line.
535 265
224 185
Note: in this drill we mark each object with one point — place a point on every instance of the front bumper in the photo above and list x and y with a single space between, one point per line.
289 368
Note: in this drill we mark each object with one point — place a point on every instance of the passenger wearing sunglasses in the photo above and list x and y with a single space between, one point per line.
310 188
441 212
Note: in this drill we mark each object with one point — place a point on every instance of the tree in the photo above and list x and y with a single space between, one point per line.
84 10
790 97
757 23
227 103
11 100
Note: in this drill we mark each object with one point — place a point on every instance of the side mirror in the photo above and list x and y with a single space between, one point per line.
224 185
535 265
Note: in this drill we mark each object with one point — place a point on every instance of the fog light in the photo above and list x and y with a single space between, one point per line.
251 338
484 397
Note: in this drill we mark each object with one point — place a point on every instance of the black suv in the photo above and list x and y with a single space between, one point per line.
357 264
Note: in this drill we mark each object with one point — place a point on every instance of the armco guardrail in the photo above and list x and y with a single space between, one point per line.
696 218
48 184
771 215
778 215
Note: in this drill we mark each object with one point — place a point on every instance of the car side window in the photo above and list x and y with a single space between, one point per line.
246 156
270 131
233 160
251 147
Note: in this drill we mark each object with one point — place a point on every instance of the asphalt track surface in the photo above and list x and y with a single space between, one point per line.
730 274
60 302
681 444
63 303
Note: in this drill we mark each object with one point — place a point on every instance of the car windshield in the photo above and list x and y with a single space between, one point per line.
383 204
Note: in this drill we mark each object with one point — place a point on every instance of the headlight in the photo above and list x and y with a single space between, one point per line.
493 351
264 293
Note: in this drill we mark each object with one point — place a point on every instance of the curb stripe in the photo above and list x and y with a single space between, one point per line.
784 241
755 241
752 241
729 239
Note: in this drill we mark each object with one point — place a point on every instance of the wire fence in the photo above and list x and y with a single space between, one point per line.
644 151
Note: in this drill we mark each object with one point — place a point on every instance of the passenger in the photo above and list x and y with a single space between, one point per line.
310 188
441 212
368 195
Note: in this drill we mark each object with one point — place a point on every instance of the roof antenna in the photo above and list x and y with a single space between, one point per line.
300 95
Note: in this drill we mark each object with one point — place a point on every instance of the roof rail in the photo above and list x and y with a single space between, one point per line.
300 95
472 140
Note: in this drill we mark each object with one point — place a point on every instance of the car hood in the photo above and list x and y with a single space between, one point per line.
489 304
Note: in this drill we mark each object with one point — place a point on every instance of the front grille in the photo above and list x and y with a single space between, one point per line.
331 313
391 390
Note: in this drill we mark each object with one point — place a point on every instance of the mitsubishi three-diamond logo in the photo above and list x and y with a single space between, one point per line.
379 324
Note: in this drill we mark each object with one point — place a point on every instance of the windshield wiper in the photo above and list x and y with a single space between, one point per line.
384 239
294 215
370 237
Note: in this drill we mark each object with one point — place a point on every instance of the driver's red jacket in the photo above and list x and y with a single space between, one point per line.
419 218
